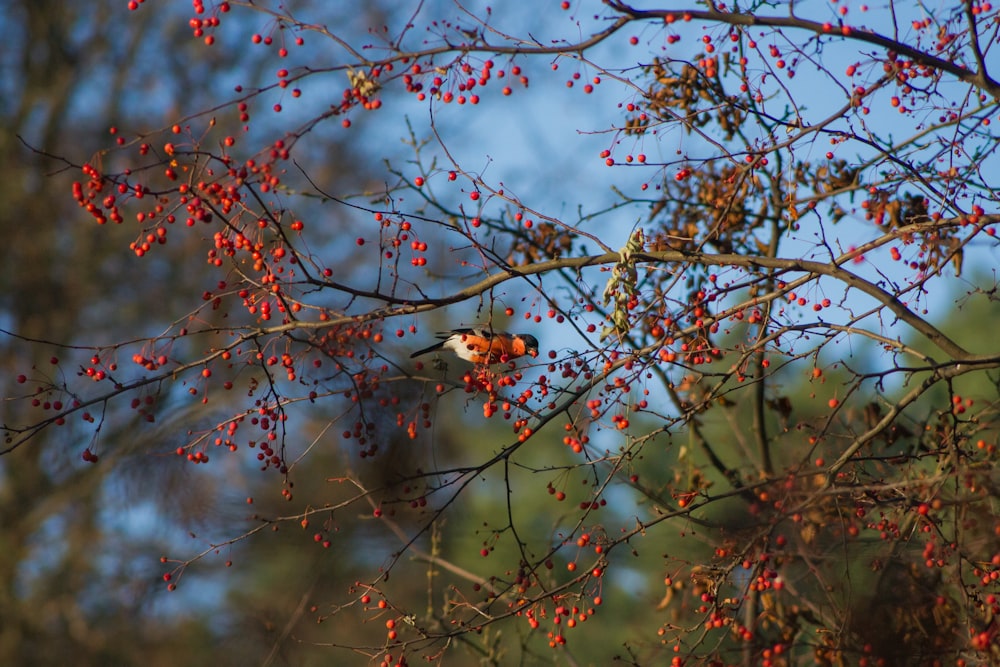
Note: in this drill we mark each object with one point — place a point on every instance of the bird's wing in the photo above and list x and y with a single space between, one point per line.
444 335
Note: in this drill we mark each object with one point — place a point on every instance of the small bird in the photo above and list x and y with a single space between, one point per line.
483 346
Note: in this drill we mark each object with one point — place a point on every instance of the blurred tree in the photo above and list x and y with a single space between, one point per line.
78 561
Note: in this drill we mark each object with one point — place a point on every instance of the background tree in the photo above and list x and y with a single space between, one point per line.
78 561
761 430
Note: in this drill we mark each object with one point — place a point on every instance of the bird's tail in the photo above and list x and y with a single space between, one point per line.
432 348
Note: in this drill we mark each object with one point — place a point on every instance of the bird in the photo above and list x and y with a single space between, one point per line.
482 345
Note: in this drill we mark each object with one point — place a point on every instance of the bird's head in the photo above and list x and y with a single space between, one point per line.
530 344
